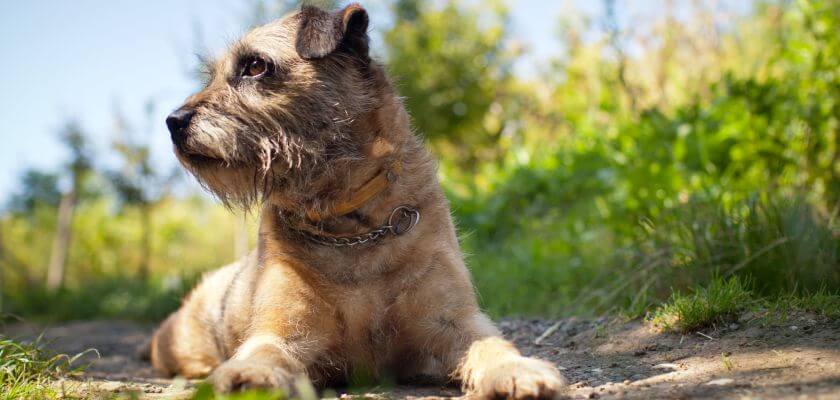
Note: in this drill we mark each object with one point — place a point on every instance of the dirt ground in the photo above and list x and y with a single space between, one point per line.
749 358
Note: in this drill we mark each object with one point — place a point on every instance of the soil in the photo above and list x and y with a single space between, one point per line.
752 357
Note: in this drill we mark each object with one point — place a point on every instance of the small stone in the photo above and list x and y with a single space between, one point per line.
794 327
626 382
733 326
720 382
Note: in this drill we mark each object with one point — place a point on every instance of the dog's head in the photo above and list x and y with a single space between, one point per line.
278 107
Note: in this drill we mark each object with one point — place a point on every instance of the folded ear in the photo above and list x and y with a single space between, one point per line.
321 33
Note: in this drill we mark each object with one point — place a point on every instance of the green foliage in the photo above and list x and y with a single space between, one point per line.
625 205
115 296
450 68
189 236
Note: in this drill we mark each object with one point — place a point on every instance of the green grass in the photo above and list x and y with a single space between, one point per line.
26 370
304 391
205 392
715 303
821 302
545 267
724 299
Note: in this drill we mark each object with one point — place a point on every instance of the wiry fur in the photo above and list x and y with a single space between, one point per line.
286 131
305 136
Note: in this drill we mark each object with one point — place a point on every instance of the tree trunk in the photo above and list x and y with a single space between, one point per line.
61 242
146 245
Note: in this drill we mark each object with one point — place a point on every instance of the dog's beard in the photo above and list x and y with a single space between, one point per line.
234 187
258 166
243 162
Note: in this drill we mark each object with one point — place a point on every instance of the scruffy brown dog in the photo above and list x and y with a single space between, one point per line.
358 269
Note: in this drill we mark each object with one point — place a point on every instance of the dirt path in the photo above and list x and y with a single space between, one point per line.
799 358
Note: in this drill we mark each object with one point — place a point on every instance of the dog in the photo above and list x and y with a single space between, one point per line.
358 270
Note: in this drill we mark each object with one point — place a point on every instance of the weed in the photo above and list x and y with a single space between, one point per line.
727 362
26 369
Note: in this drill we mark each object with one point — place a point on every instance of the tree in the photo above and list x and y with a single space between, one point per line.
451 65
80 165
137 183
37 188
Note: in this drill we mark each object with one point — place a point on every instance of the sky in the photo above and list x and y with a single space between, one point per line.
82 60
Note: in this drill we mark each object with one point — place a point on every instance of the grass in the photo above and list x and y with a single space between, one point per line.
26 370
303 388
545 267
821 302
719 301
205 392
724 299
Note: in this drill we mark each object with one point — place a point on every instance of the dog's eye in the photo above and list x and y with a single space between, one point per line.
254 68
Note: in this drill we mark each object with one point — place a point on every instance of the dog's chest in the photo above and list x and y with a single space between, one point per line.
368 326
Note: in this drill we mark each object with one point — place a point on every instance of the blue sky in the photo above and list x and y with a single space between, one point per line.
83 59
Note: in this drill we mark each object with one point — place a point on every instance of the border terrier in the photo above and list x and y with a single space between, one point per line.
357 271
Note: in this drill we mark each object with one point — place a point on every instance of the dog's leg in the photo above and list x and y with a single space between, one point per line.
465 343
491 367
262 361
183 346
288 332
467 346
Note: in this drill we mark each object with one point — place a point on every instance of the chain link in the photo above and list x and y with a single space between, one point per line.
401 221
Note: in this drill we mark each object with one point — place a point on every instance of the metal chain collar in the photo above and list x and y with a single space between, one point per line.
401 221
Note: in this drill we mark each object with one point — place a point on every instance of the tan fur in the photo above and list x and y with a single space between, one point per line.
403 307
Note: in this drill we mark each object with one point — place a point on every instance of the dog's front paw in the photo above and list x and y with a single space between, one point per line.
518 378
234 376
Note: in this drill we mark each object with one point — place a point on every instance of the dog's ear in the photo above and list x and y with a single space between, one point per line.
321 33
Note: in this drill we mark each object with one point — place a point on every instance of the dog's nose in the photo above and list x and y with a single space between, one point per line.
178 122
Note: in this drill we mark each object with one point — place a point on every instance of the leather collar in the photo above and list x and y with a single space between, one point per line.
360 196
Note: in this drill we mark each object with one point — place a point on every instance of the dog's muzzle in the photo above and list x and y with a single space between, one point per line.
179 123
